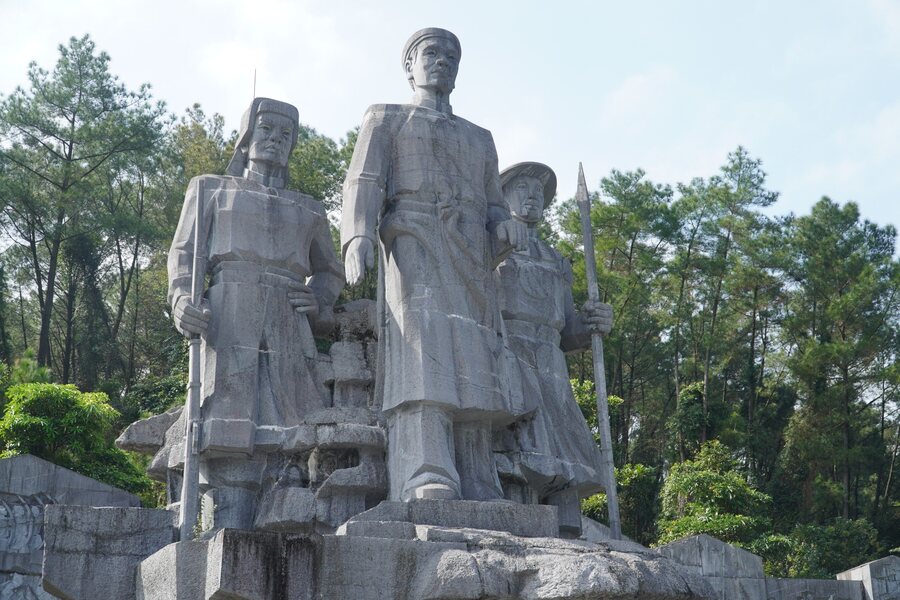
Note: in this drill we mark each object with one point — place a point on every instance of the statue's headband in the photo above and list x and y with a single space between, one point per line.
428 32
259 105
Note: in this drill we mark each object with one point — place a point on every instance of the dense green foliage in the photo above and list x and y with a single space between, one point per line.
69 428
752 368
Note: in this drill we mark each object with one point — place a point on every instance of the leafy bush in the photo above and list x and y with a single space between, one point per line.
637 487
708 495
821 551
69 428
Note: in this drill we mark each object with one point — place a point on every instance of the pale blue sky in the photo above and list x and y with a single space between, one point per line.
810 87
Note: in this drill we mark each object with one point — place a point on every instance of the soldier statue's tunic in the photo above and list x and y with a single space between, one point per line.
427 182
273 277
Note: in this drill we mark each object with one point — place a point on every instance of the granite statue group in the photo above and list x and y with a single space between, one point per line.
469 396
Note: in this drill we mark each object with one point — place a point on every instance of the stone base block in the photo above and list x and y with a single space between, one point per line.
232 565
91 553
526 520
404 561
16 586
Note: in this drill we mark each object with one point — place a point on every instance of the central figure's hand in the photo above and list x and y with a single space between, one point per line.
303 300
360 257
189 319
514 233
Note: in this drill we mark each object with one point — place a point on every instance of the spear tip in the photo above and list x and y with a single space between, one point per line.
582 193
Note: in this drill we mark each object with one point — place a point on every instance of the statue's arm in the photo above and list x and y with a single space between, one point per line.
365 187
595 317
181 257
507 235
327 278
575 336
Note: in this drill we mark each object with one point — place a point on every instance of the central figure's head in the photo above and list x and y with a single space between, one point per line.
431 60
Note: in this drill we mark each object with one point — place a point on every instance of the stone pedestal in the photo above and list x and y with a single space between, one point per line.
91 553
425 550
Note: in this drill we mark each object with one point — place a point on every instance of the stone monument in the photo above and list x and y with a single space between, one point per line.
292 439
551 456
424 186
274 278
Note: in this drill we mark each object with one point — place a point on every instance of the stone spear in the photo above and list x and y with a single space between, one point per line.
590 266
190 484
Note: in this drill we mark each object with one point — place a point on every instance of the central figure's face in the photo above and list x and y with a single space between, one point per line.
435 65
525 197
271 139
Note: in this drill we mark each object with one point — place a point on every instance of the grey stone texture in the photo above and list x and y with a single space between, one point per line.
812 589
21 533
423 185
523 520
274 278
422 563
550 456
92 553
736 574
328 466
232 565
28 487
880 578
28 475
15 586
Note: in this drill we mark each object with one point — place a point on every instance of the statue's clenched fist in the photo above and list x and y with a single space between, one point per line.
597 317
191 319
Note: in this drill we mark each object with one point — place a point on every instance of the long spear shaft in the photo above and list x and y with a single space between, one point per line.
190 485
606 457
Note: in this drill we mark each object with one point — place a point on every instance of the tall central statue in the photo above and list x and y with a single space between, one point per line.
424 184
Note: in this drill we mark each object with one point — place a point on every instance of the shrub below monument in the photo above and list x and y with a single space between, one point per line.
69 428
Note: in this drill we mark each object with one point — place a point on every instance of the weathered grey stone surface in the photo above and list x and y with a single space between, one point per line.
327 467
444 375
399 563
732 572
451 563
28 475
232 565
707 556
880 578
15 586
524 520
273 282
552 455
810 589
21 533
28 485
592 531
736 574
147 436
92 553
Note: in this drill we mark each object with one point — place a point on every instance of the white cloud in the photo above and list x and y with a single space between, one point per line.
639 98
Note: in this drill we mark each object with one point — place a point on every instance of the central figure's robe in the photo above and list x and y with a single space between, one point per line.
427 183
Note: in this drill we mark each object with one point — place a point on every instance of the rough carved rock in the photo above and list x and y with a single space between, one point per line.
415 562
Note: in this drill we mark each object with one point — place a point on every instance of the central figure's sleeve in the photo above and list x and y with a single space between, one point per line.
365 188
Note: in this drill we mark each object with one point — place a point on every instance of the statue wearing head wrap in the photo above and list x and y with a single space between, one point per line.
268 257
551 456
423 185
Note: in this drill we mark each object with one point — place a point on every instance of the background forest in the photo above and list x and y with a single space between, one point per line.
752 366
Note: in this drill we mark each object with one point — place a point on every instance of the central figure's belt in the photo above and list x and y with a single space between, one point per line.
404 204
235 271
